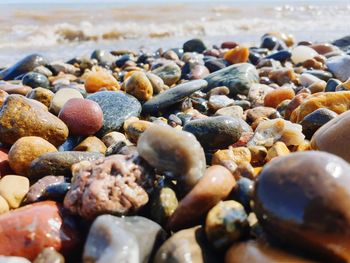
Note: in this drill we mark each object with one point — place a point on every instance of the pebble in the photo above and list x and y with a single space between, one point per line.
82 116
257 93
172 96
139 86
215 185
61 97
103 57
136 128
42 95
163 205
157 83
302 53
282 76
277 149
170 73
4 163
129 239
49 255
275 97
198 72
236 55
35 80
217 132
25 150
4 259
194 45
217 102
91 144
13 189
59 163
231 111
4 206
260 112
14 88
112 138
292 195
225 158
58 67
100 79
340 67
116 108
3 96
258 154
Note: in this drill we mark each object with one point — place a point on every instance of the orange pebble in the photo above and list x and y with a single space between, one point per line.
237 55
99 80
276 96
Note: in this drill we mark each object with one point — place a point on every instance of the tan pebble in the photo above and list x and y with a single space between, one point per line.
258 154
40 94
91 144
100 79
237 55
4 206
224 158
278 149
282 76
3 96
139 86
244 169
304 146
128 121
112 138
319 86
14 188
61 97
275 97
135 129
241 154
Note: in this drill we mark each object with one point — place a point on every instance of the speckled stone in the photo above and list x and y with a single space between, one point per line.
116 108
42 95
172 96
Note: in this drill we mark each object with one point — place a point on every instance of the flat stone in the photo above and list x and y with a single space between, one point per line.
116 108
340 67
61 97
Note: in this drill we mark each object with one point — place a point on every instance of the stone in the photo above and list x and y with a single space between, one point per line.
258 155
338 102
61 97
277 150
172 96
139 86
23 66
25 150
238 78
116 108
217 132
333 137
170 73
35 80
14 88
100 79
4 259
157 83
4 163
42 95
281 55
103 57
292 195
189 244
14 188
59 163
112 138
4 206
111 185
82 116
243 192
174 151
283 76
136 128
91 144
21 117
225 158
198 72
231 111
315 120
340 67
275 97
49 255
3 96
163 205
241 154
215 185
237 55
129 239
217 102
215 64
294 103
58 67
257 93
226 223
194 45
302 53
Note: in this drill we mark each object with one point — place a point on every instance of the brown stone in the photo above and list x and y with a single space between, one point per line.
282 76
15 88
139 86
275 97
100 79
40 94
237 55
91 144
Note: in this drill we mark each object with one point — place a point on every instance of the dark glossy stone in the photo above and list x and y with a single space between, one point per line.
121 60
116 107
194 45
343 43
104 58
59 163
321 74
254 58
332 84
217 132
70 143
243 192
23 66
34 80
270 42
303 200
172 96
215 64
282 55
238 78
56 192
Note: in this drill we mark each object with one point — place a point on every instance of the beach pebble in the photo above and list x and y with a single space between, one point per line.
225 223
194 45
116 108
333 136
49 255
129 239
282 76
14 88
35 80
25 150
217 132
42 95
294 103
214 186
103 57
170 73
107 185
4 163
4 259
198 72
24 230
257 93
275 97
82 116
163 205
236 55
157 83
225 158
231 111
59 163
258 154
292 195
100 79
112 138
136 128
91 144
277 149
340 67
139 86
13 189
302 53
261 112
3 96
61 97
4 205
60 67
175 151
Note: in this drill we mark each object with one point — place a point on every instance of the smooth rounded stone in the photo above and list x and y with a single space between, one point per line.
100 79
270 42
226 223
158 85
59 163
292 195
13 189
37 190
4 206
257 251
14 88
3 96
61 97
215 185
217 132
128 239
257 93
163 205
302 53
186 246
42 95
294 103
4 259
113 137
175 151
103 57
43 70
70 143
58 67
340 67
281 55
139 86
215 64
23 66
198 72
116 108
25 150
170 73
343 42
275 97
21 117
315 120
225 158
216 102
282 76
56 192
91 144
338 102
37 221
243 192
136 128
4 163
321 74
270 131
115 184
236 55
35 80
317 87
258 154
278 149
307 79
231 111
333 137
238 78
49 255
82 116
172 96
218 91
194 45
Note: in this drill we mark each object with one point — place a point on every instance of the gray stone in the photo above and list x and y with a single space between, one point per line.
340 67
194 45
170 73
117 107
